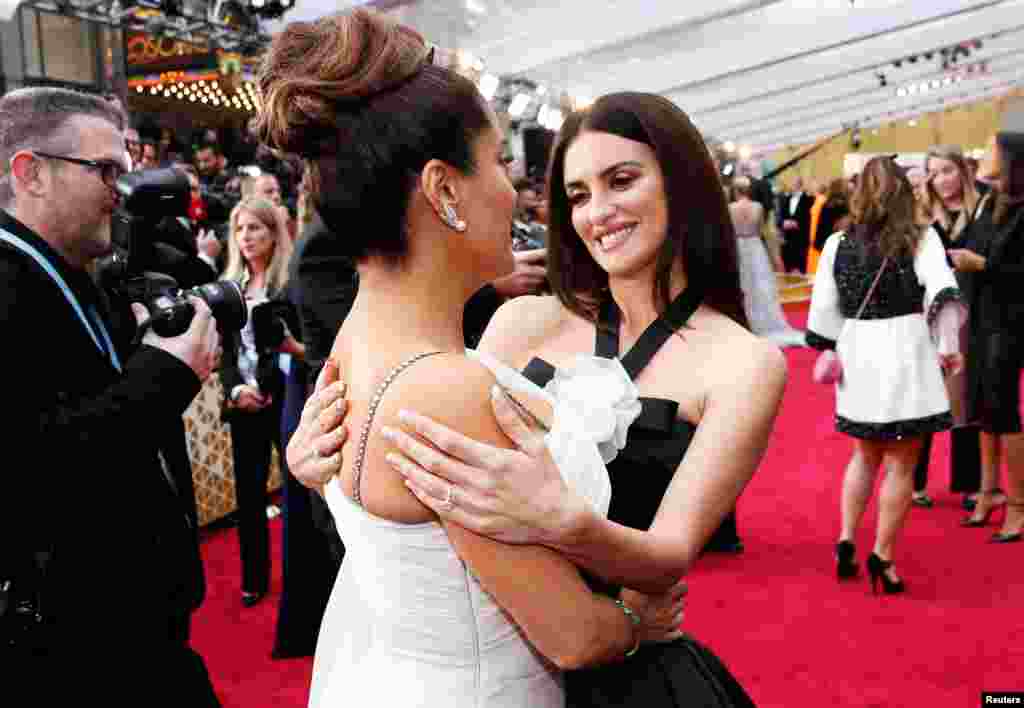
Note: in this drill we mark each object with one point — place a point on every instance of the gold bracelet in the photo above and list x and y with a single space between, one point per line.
635 619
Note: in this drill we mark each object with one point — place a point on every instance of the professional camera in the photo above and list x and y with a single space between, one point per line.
137 269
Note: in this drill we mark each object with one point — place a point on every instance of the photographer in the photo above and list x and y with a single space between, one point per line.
95 542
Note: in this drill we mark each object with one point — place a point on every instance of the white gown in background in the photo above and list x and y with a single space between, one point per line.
408 625
758 282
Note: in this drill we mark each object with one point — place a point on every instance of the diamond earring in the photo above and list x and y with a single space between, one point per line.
452 219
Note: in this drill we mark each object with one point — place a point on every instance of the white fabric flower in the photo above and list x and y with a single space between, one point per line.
596 400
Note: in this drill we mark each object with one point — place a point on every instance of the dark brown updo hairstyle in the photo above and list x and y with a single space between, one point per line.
700 231
358 96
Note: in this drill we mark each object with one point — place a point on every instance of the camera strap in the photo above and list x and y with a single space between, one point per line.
92 323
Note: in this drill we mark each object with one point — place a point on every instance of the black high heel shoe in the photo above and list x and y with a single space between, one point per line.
877 568
923 500
1012 537
975 521
846 566
249 599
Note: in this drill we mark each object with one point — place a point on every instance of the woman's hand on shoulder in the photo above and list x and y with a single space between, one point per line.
512 495
314 451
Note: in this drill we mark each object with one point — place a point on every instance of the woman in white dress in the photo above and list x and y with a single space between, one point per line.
642 263
757 277
891 392
408 170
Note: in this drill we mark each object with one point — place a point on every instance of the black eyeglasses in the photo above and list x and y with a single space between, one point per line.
109 170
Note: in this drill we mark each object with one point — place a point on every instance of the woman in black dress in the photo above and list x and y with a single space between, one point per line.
949 202
642 261
996 321
258 252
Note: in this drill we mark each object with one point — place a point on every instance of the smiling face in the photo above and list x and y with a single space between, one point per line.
946 179
616 194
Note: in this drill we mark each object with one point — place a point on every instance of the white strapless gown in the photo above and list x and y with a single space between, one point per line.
408 625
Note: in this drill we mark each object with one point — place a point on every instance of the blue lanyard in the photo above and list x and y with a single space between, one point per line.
92 323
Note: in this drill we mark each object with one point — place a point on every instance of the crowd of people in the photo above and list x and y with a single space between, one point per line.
402 290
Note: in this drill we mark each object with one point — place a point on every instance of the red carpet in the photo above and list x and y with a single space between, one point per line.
792 635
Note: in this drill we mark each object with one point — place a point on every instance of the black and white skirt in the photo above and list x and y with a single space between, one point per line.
892 386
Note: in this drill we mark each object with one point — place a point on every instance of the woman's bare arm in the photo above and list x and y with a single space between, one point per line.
518 496
723 456
540 589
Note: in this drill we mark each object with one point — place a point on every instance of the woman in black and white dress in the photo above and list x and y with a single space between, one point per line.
892 391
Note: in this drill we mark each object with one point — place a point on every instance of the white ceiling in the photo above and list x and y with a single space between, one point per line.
764 73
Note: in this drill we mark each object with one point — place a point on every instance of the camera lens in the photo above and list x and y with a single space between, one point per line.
227 303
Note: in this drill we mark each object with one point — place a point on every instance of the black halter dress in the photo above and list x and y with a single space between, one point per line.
682 673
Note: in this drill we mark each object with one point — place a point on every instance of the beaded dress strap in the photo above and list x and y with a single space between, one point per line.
364 436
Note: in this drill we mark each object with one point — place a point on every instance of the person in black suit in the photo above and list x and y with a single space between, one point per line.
312 550
259 249
96 540
794 221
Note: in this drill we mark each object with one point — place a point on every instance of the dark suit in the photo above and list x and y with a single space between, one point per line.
323 287
796 242
125 572
173 252
253 433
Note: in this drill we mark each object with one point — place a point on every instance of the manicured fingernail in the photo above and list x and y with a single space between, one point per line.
341 404
387 433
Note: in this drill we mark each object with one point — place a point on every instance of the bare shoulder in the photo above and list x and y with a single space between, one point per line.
521 324
449 388
737 359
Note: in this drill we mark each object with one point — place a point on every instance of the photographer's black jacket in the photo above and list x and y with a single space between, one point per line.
83 479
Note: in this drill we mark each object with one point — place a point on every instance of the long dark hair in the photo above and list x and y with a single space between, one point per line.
700 232
1009 156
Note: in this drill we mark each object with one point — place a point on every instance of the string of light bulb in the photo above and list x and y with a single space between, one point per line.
245 98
